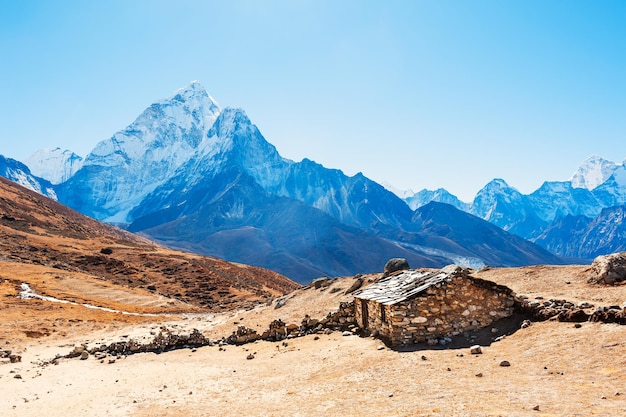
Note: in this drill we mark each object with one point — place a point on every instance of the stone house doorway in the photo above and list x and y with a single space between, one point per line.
364 314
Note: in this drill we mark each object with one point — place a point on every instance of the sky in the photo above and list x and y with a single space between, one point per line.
417 94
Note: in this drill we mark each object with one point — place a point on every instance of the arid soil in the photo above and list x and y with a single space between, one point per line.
556 369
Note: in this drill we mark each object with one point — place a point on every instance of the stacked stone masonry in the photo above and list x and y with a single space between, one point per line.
446 309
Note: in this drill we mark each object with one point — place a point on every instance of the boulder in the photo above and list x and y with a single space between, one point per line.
320 282
358 283
395 264
576 315
609 269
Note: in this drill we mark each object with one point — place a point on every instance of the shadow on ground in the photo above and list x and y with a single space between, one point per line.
484 337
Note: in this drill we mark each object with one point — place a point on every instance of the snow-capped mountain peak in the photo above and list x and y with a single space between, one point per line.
403 194
55 165
195 92
21 174
233 121
440 195
594 171
169 128
146 153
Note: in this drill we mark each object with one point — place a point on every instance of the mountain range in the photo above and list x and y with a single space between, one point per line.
197 177
578 218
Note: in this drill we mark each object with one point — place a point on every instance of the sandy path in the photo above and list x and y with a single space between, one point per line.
564 370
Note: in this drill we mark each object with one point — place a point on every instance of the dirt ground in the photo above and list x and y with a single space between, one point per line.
556 369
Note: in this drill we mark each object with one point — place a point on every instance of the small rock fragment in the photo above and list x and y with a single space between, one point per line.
250 357
479 375
476 350
505 363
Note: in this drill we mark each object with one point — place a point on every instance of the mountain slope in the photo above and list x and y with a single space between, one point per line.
231 216
21 174
121 171
479 238
612 192
38 231
583 237
55 165
228 198
593 172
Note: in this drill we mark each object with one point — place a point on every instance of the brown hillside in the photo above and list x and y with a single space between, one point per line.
63 254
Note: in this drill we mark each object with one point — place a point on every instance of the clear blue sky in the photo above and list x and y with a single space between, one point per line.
420 94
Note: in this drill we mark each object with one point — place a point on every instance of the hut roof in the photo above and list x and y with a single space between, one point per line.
406 284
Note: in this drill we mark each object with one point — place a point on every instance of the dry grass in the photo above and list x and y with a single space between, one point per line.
564 370
558 282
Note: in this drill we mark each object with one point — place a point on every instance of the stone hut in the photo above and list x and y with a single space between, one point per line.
413 306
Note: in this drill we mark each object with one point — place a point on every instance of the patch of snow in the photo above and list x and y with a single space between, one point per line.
403 194
54 165
461 260
593 172
28 293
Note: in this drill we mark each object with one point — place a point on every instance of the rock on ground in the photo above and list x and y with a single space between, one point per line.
609 269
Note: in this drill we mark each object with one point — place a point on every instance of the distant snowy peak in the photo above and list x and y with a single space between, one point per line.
496 195
440 195
120 171
593 172
233 121
55 165
403 194
18 172
170 129
237 139
196 100
497 186
613 191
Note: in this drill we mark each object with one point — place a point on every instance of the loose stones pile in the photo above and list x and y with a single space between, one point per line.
566 311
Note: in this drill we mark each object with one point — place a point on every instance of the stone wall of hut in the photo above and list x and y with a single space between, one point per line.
447 309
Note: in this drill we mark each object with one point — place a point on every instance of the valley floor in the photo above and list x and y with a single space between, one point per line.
556 369
563 370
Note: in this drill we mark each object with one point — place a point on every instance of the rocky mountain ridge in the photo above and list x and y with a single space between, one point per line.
194 176
21 174
547 215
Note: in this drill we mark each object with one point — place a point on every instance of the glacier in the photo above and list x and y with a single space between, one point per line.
55 165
